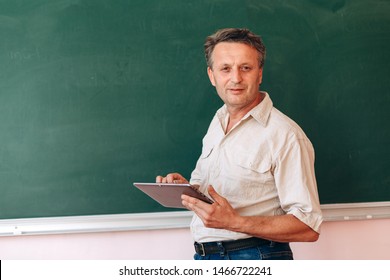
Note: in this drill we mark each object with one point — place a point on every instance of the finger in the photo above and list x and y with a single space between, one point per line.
199 207
170 178
176 178
212 192
186 204
214 195
159 179
179 181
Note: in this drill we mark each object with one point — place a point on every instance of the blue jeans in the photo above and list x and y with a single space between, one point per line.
271 251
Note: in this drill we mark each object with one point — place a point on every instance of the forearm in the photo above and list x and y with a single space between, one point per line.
220 214
285 228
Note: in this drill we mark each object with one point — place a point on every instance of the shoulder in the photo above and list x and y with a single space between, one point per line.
285 134
279 123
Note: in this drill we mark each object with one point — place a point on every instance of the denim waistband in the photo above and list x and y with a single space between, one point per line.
209 248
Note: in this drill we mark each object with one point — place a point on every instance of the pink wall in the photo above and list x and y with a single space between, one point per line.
362 239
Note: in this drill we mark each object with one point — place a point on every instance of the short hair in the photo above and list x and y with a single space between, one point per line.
237 35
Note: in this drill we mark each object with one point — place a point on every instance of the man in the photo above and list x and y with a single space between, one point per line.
256 163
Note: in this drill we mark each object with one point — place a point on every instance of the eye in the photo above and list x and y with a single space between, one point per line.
225 69
246 68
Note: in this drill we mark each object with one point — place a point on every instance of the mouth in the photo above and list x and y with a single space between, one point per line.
236 90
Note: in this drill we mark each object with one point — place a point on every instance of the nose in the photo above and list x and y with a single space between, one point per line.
236 75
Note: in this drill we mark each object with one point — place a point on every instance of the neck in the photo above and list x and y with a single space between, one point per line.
236 114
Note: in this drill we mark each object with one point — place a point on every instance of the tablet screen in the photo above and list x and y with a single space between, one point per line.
169 195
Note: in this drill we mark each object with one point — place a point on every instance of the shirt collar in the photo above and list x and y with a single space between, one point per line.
260 113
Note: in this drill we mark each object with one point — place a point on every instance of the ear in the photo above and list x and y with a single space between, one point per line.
260 76
211 75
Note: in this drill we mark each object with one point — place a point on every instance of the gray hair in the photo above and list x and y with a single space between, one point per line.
238 35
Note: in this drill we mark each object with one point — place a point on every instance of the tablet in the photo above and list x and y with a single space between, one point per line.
169 195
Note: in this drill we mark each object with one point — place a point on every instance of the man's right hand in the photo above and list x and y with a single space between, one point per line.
174 178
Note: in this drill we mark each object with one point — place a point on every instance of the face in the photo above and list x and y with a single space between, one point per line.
236 75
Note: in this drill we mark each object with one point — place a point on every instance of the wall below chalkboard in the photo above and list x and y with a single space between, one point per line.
337 242
95 95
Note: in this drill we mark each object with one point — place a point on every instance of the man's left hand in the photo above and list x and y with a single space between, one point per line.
220 214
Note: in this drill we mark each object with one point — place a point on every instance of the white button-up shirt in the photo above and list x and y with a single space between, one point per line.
264 166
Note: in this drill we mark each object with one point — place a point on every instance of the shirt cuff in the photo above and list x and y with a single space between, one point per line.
311 219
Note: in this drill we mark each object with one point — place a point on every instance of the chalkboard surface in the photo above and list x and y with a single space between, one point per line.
95 95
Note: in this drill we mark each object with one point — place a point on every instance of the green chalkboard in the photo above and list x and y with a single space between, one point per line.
97 94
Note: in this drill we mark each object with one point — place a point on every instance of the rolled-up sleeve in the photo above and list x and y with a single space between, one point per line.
296 183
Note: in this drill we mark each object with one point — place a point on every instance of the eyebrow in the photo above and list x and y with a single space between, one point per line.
239 65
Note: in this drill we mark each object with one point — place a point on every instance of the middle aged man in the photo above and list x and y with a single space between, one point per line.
256 163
